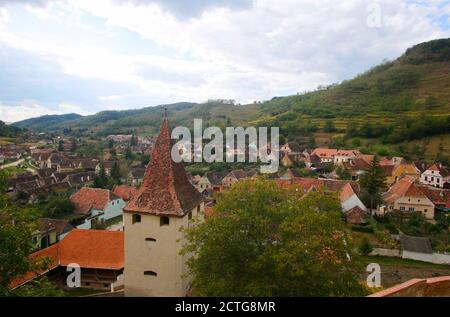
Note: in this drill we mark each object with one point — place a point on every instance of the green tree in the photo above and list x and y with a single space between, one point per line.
58 207
343 173
61 145
264 240
365 247
16 228
373 183
39 288
133 141
115 173
74 145
128 154
100 179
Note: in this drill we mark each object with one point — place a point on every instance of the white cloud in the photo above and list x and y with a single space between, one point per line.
250 52
24 111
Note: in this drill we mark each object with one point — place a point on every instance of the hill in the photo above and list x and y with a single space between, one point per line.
392 103
8 131
47 122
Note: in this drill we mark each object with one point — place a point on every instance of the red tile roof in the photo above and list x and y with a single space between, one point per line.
125 192
165 189
356 216
97 249
404 187
325 153
438 168
90 198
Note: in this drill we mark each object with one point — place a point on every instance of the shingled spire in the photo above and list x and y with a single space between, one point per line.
165 189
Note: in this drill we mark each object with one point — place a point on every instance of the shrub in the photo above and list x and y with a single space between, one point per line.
365 247
366 229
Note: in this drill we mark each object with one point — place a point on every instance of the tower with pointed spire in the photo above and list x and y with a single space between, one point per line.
164 203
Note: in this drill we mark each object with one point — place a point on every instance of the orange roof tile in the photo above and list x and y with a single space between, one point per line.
326 153
125 192
346 192
101 249
404 187
97 249
90 198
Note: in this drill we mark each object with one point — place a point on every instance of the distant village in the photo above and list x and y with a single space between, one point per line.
50 168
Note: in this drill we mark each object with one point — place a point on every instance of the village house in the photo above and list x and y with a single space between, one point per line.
311 160
96 204
43 192
288 159
356 216
50 232
124 191
120 138
165 202
436 175
348 191
393 161
78 180
40 156
99 253
45 172
358 166
107 165
439 197
291 148
400 170
407 196
136 175
63 163
235 176
211 180
325 155
349 198
14 181
342 156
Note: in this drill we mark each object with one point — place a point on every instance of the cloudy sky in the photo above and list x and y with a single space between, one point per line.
83 56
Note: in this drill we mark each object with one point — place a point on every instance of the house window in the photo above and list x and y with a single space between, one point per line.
425 210
164 221
190 216
136 218
198 208
411 209
426 178
150 239
391 207
150 273
402 208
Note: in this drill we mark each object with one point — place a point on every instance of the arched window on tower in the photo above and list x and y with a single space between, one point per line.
150 273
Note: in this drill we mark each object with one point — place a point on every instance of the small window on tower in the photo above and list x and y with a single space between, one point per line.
190 216
150 273
136 218
150 239
164 221
198 208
